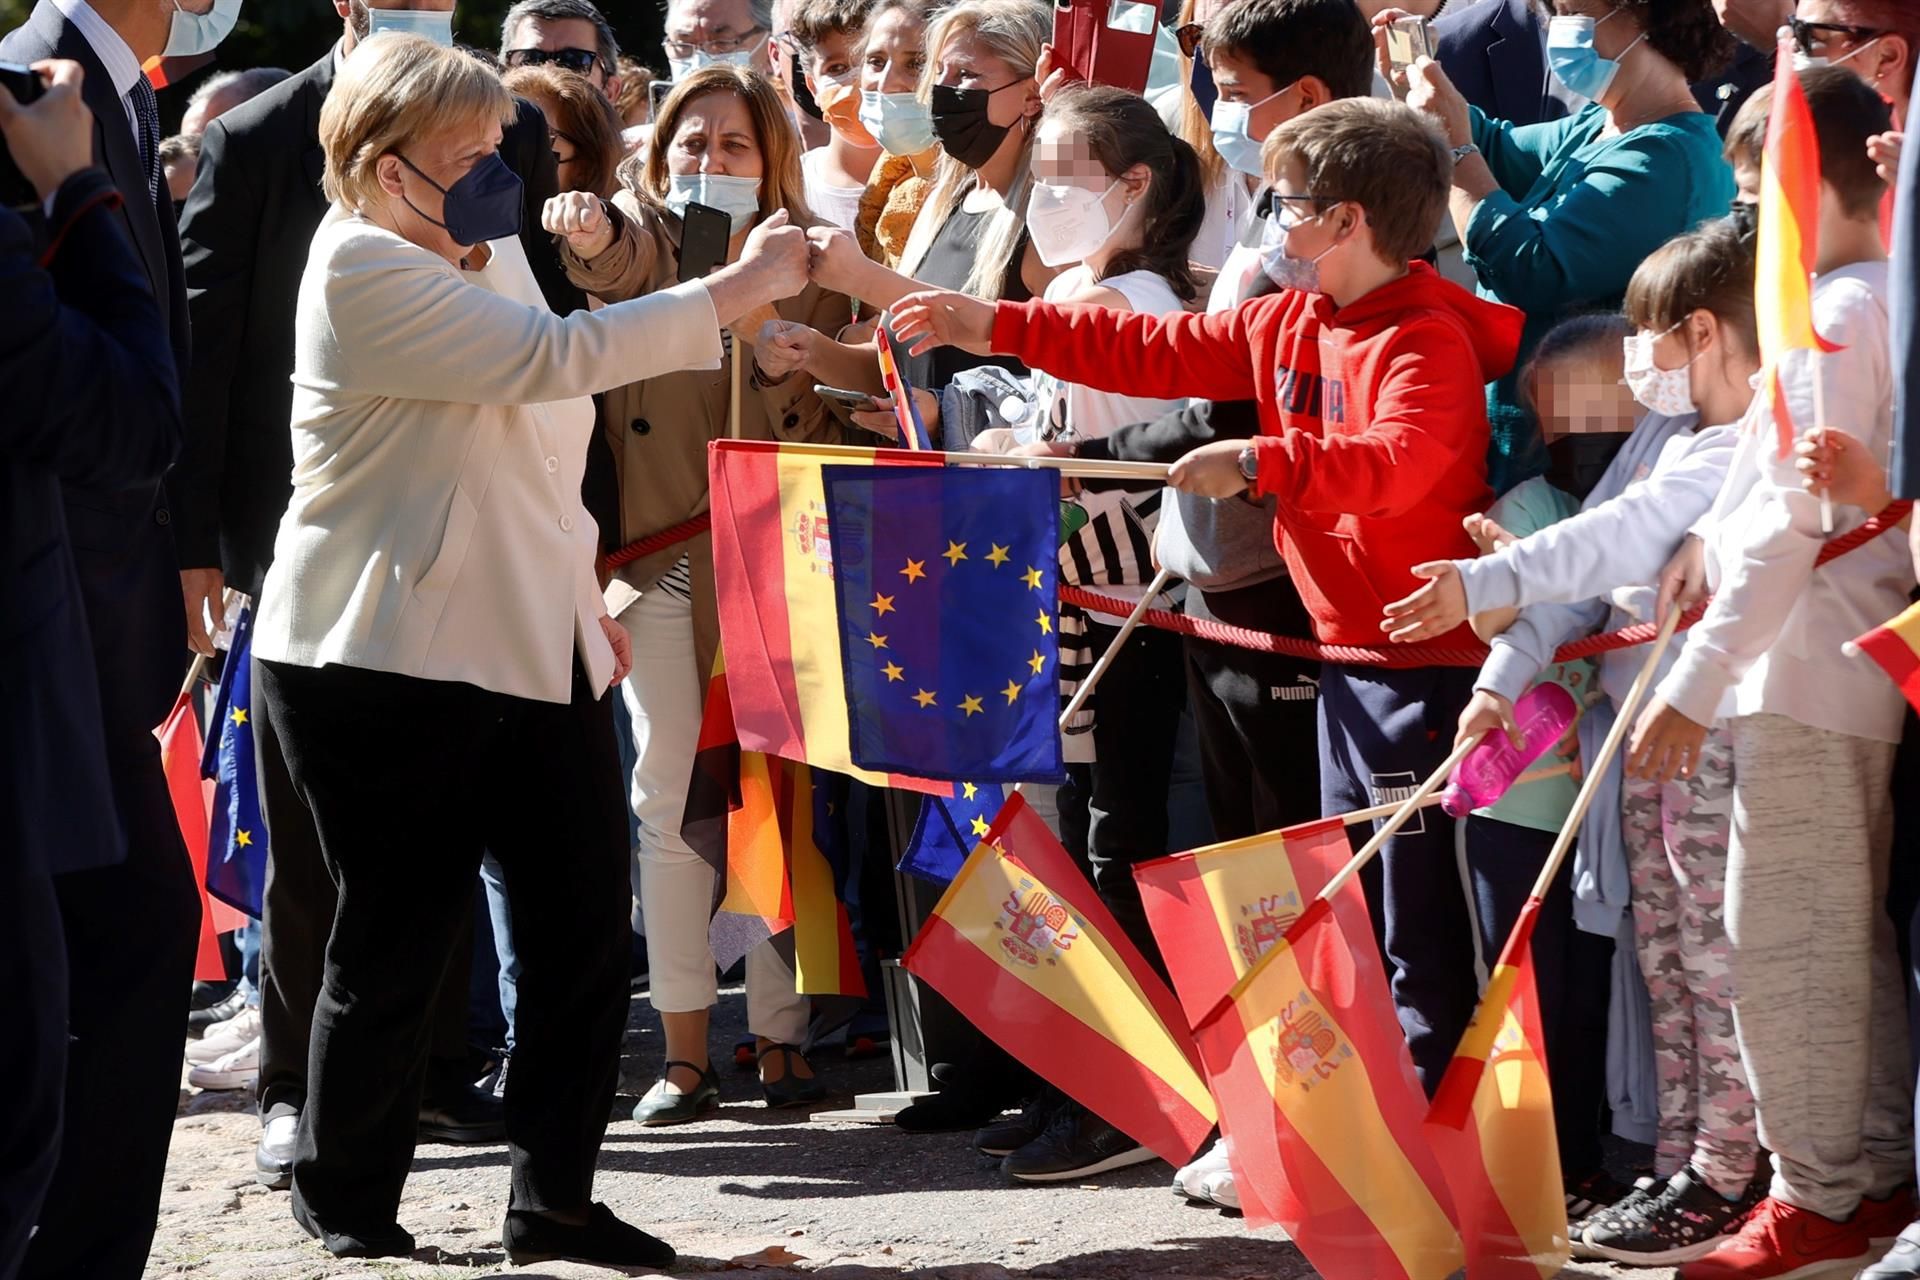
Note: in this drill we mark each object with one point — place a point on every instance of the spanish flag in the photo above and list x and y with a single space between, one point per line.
1895 646
1022 946
1789 236
192 796
755 893
1217 910
1316 1088
1492 1125
779 621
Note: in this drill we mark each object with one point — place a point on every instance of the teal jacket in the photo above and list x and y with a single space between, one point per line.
1576 213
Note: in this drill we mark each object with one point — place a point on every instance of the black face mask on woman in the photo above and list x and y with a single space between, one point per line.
960 122
1576 462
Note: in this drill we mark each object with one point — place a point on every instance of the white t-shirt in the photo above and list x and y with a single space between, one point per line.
838 205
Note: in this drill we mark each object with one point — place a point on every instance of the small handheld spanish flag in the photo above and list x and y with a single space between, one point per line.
906 414
1895 646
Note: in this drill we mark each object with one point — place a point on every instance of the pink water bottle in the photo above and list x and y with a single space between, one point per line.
1483 776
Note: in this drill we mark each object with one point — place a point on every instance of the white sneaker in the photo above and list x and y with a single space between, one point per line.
1218 1189
1187 1182
223 1038
236 1070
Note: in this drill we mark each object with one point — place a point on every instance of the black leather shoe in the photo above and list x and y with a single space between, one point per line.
660 1108
389 1241
463 1115
790 1090
604 1240
1902 1261
221 1010
952 1110
1007 1135
1076 1144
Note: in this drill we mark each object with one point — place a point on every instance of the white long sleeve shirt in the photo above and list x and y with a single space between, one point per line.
1772 638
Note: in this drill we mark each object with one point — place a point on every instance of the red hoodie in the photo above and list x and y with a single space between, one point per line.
1373 419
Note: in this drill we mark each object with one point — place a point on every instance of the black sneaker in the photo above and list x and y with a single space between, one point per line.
1685 1221
1644 1189
1587 1196
1008 1134
1075 1144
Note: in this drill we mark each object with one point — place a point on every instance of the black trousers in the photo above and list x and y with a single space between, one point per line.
297 914
131 931
33 1053
1117 809
1257 713
408 781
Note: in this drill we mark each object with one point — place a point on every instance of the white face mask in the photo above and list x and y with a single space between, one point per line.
1668 392
738 198
1808 61
1283 268
1069 224
197 33
434 24
681 68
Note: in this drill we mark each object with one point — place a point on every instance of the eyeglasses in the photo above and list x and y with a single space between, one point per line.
1810 37
557 135
1272 204
684 49
1189 35
579 61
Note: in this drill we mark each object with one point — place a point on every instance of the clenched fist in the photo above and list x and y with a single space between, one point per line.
782 348
582 218
834 260
777 253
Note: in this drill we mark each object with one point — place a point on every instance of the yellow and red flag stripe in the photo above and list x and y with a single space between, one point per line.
825 962
1895 646
1788 244
1492 1125
1021 945
1218 909
181 747
756 899
1316 1088
779 624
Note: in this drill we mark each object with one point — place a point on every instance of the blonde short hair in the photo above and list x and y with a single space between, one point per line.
393 90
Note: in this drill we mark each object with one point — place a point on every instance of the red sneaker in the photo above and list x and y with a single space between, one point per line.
1781 1242
1886 1218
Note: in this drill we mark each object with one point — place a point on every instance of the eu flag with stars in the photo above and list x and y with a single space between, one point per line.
948 830
237 843
945 582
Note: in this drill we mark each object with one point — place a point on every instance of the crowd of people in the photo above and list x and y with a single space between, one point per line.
373 365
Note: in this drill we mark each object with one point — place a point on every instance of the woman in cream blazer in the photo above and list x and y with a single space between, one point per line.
433 648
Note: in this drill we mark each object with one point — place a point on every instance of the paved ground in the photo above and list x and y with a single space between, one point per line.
747 1189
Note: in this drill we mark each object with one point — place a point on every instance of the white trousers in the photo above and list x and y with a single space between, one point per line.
663 697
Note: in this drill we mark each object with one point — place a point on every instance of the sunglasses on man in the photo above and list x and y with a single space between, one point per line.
579 61
1812 37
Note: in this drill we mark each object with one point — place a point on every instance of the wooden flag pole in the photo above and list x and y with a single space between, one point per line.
1406 809
1084 468
1388 810
1820 430
1596 771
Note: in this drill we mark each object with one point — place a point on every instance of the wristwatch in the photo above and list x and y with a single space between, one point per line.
1249 464
1464 150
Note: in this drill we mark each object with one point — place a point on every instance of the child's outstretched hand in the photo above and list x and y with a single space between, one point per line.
1487 534
1840 466
1433 610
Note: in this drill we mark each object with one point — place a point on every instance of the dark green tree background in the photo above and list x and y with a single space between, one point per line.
293 33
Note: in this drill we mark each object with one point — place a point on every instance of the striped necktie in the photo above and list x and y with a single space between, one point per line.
146 110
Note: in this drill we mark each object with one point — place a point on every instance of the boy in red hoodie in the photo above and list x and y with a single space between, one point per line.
1369 371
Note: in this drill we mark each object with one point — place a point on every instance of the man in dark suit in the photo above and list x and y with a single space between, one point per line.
246 228
92 399
130 925
1495 52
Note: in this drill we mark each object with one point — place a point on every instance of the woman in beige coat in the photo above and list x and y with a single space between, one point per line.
724 143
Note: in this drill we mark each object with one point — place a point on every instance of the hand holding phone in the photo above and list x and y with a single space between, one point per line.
47 127
1408 40
844 398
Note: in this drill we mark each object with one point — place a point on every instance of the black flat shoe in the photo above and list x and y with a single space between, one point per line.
604 1240
390 1241
462 1115
660 1108
790 1090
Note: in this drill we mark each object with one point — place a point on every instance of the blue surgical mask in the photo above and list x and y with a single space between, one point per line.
483 205
197 33
1575 63
738 198
1285 270
432 24
899 122
1231 133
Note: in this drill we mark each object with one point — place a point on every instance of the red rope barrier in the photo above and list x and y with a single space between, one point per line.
1428 655
670 536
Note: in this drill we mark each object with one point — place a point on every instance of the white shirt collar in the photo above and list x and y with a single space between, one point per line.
122 67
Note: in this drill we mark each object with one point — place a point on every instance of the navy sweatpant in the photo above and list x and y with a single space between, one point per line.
1381 733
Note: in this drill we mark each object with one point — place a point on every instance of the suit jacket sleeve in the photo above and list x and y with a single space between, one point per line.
86 373
219 240
525 148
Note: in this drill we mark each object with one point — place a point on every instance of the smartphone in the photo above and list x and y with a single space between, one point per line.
1105 41
25 84
657 93
704 233
1408 40
848 399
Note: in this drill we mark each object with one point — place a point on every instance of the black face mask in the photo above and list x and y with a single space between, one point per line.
803 96
960 122
1576 462
1745 218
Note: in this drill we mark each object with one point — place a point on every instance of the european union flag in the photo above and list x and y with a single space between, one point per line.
945 582
948 830
237 843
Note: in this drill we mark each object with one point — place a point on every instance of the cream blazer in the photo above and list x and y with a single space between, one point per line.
440 429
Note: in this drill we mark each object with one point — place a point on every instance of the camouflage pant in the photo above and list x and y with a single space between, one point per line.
1676 835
